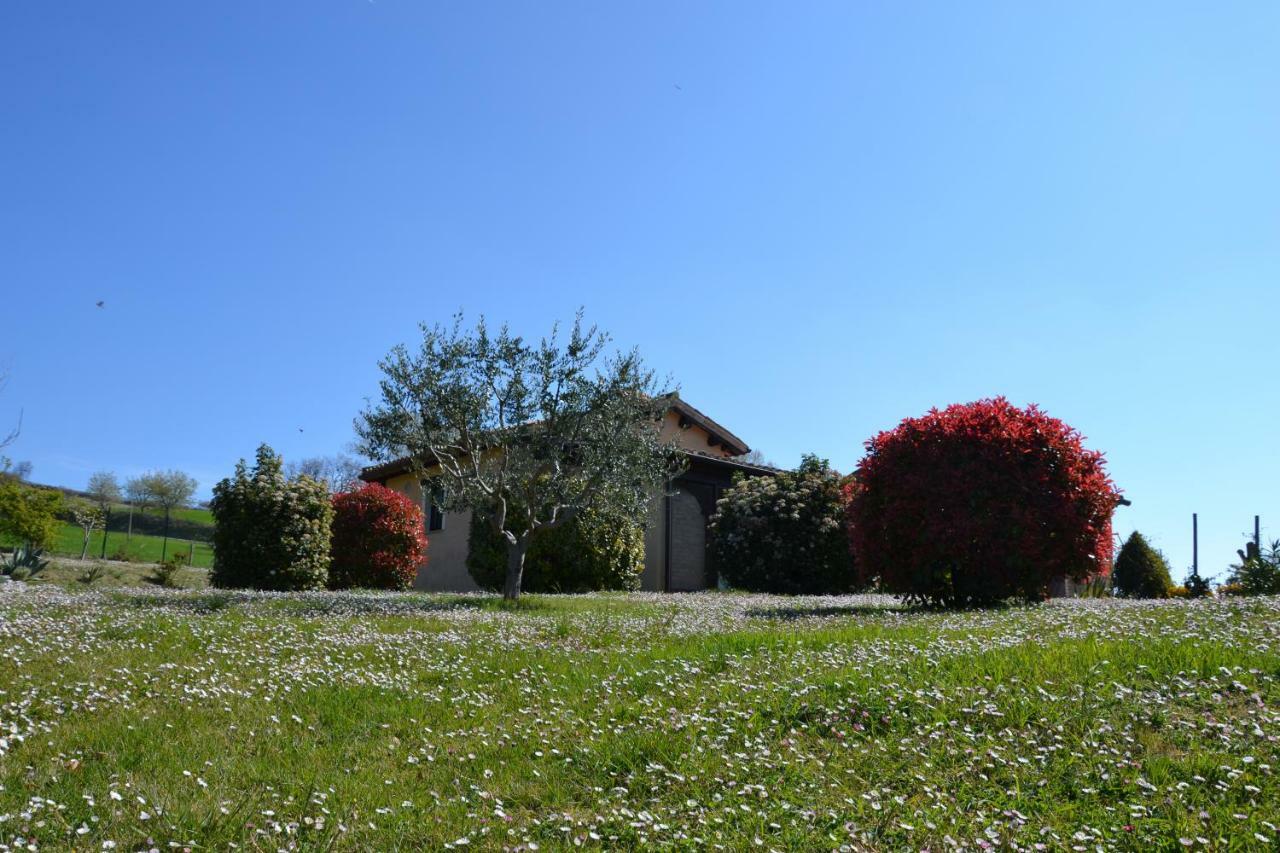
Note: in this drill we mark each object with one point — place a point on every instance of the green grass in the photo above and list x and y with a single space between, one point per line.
195 515
77 576
140 547
407 721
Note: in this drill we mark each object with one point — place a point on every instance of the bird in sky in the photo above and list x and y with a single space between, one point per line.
101 303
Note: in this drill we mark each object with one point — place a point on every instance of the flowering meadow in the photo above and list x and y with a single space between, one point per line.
163 720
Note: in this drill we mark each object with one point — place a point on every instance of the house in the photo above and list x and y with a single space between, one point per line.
676 556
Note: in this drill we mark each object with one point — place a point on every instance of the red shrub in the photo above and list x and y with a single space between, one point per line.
378 539
980 502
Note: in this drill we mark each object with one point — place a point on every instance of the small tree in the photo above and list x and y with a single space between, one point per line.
19 470
104 491
1196 585
378 540
980 502
532 435
168 490
88 517
29 515
786 533
270 532
137 491
1141 571
340 472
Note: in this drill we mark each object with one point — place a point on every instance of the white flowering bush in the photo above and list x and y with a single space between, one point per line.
271 532
785 533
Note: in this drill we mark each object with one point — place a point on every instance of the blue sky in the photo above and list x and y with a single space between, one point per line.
820 218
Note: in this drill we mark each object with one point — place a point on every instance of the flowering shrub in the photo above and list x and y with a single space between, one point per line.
784 533
1140 570
270 532
594 550
980 502
378 539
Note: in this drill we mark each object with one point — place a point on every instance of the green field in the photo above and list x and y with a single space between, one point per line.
159 719
140 547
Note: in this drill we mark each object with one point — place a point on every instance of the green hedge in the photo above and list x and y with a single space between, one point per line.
592 551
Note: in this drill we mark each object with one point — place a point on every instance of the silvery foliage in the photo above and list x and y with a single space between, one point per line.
535 432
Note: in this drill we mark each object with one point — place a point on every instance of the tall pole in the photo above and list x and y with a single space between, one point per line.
1257 534
164 548
106 523
1195 544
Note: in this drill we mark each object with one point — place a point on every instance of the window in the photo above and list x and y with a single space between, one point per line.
433 497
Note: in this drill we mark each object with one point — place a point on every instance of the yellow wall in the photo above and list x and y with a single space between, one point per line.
446 566
690 438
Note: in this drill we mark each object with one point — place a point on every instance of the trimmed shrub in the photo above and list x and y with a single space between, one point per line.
978 503
594 550
785 533
270 532
378 539
1140 570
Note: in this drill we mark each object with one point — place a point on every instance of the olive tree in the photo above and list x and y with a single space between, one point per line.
530 434
167 490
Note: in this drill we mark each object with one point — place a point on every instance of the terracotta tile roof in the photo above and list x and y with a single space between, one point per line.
714 429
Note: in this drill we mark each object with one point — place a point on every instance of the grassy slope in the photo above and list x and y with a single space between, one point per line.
71 574
143 548
70 538
414 722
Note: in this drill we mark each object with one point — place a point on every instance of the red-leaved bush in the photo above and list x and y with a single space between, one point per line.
378 539
977 503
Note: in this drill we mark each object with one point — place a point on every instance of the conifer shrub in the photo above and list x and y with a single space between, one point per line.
785 533
270 532
1141 571
379 540
978 503
594 550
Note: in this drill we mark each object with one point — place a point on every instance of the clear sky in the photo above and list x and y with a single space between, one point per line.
820 218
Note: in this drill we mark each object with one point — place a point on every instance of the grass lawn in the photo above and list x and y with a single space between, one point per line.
71 574
140 547
151 718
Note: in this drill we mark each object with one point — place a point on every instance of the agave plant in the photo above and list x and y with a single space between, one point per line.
24 563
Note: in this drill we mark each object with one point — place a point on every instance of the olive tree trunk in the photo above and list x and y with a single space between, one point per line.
515 568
